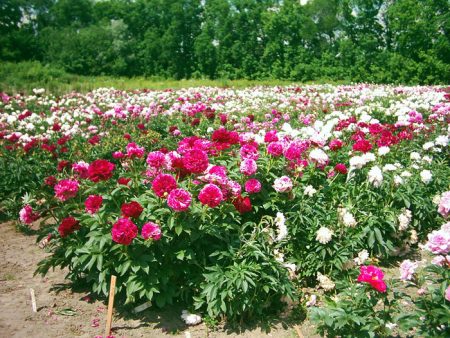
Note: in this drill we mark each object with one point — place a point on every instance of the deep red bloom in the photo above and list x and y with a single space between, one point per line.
94 140
123 180
336 144
62 164
242 204
67 226
50 181
100 170
132 209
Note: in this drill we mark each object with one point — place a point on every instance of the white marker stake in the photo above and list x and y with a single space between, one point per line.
110 306
33 301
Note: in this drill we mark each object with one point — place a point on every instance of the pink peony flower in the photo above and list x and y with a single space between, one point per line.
210 195
447 293
275 149
133 150
444 204
195 161
66 189
374 276
179 199
336 144
27 216
252 186
163 184
248 167
81 168
234 187
151 230
124 231
407 269
118 155
438 242
283 184
156 159
249 151
93 203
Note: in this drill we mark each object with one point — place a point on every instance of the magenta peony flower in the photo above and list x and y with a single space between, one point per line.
151 230
27 216
275 149
67 226
374 276
336 144
179 199
93 203
210 195
252 186
100 170
66 189
341 168
362 145
156 159
283 184
124 231
118 155
296 149
248 167
195 161
163 184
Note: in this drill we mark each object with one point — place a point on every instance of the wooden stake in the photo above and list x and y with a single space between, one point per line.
299 332
33 301
112 290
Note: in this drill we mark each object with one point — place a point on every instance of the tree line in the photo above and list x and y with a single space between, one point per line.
400 41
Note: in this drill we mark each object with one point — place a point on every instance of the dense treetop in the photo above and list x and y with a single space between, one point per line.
356 40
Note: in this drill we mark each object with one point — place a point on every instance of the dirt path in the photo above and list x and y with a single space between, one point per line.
19 256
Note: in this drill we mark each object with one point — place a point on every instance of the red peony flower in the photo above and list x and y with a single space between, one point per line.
50 181
93 203
163 184
195 161
132 209
242 204
336 144
100 170
67 226
362 145
210 195
124 231
374 276
123 180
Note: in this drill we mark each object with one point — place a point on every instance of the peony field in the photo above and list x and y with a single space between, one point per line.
308 210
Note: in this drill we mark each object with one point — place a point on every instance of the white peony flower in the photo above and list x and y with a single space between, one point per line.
318 156
349 220
428 146
398 180
362 257
426 176
190 318
325 282
282 231
375 176
309 191
414 156
404 219
324 235
383 151
442 140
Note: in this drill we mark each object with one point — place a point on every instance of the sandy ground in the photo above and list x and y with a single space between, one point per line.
62 312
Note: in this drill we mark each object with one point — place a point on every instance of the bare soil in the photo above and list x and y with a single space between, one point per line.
64 312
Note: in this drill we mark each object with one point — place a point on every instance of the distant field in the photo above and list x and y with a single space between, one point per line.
24 76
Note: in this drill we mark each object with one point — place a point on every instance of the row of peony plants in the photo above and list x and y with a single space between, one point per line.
230 201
